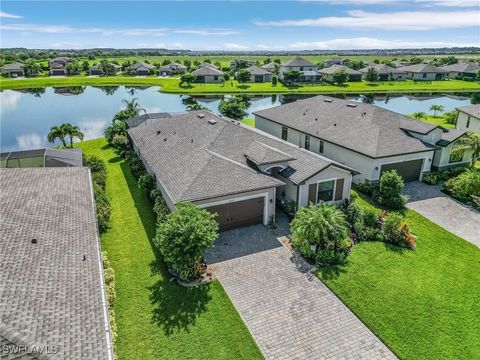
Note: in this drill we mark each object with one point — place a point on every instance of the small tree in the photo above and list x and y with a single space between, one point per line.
372 75
186 78
73 131
291 76
470 142
243 76
85 66
390 189
419 115
340 77
57 132
274 80
107 68
233 107
390 76
451 117
436 109
226 76
184 236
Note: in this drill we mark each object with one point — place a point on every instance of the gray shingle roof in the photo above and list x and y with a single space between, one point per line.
262 154
364 128
141 65
383 69
255 70
207 70
49 294
423 68
195 160
334 68
462 67
450 136
150 117
299 61
473 110
97 66
269 66
12 67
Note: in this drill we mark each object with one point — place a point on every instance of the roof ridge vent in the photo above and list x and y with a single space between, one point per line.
328 100
200 115
212 121
352 105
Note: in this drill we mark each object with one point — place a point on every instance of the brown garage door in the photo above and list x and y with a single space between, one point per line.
239 213
408 170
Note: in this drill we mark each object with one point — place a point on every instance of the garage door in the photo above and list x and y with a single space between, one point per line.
239 213
408 170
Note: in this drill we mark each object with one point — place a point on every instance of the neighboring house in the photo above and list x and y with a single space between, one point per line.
362 136
384 72
327 73
399 64
41 158
208 74
97 70
52 299
461 70
58 66
234 170
13 70
425 72
335 60
271 66
141 69
309 70
173 69
259 75
468 118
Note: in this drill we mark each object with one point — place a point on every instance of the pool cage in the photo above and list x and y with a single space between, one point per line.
41 158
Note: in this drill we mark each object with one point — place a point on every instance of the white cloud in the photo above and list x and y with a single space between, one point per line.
29 141
177 45
6 15
403 20
9 100
67 45
452 3
151 45
372 43
206 32
446 3
233 46
92 129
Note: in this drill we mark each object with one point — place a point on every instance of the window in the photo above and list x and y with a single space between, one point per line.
301 68
424 75
284 133
325 190
456 155
468 121
215 78
307 142
320 148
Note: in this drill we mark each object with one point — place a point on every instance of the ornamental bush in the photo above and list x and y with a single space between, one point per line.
103 209
396 231
431 178
184 236
389 190
136 165
147 183
464 186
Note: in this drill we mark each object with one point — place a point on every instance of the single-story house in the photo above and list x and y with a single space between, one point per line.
335 60
234 170
425 72
259 74
271 66
384 72
468 118
308 68
208 74
365 137
327 73
461 70
58 66
52 293
141 69
13 70
97 70
172 69
41 158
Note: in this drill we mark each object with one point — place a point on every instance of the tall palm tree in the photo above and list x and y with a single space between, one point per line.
57 132
132 106
470 142
72 132
437 109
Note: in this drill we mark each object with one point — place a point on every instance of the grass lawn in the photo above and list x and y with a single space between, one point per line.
423 304
249 121
171 85
156 318
436 120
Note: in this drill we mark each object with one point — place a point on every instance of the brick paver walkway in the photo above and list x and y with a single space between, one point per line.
289 311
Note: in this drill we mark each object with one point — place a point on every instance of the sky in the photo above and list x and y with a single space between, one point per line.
240 25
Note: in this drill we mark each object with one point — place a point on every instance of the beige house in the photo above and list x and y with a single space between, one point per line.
424 72
327 73
468 118
365 137
233 169
385 72
461 70
208 74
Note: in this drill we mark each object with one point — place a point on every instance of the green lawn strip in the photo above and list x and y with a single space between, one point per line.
436 120
249 121
171 85
423 304
156 318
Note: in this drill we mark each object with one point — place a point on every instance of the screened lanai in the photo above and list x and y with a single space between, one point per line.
41 158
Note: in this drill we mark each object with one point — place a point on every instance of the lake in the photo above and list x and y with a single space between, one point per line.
27 115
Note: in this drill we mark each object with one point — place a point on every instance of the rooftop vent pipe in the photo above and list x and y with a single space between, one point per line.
212 122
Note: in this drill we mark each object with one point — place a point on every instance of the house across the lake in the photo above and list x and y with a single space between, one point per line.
385 72
259 75
327 73
58 66
232 169
13 70
424 72
96 70
141 69
309 69
208 73
335 60
52 299
365 137
468 118
461 70
173 69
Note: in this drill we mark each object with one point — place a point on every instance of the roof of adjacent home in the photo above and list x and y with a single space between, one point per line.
382 69
299 61
423 68
462 67
51 288
140 65
201 155
269 66
334 68
255 70
151 117
363 128
206 70
473 110
14 66
97 66
450 136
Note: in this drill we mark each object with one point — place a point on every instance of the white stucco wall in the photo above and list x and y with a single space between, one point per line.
419 76
298 68
369 168
442 157
462 121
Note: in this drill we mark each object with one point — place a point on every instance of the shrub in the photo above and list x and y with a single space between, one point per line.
147 183
389 190
367 188
274 80
160 208
136 165
431 178
109 277
289 207
396 231
452 172
370 218
184 237
97 168
102 204
120 142
464 185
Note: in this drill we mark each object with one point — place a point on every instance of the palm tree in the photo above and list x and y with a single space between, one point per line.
57 132
196 106
132 106
72 132
437 109
419 115
470 142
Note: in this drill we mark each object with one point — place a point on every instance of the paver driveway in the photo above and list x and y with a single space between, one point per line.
440 208
289 311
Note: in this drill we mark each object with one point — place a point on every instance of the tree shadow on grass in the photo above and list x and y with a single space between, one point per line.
332 272
115 159
176 308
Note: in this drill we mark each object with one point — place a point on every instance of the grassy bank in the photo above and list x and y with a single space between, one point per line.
156 318
171 85
436 120
423 304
